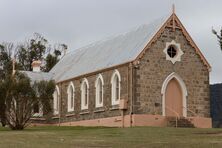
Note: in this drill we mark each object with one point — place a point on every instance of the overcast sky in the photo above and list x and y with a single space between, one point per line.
80 22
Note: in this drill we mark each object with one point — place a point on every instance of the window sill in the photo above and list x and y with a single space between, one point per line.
70 111
99 110
55 117
114 107
84 112
55 113
38 118
69 115
37 115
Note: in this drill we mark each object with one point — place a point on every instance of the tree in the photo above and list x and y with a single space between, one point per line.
6 69
6 50
13 103
52 59
219 37
38 48
2 104
44 91
33 49
21 96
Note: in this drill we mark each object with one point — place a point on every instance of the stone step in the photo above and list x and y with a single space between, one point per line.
181 122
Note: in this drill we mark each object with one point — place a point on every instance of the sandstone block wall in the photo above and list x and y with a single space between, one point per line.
92 112
154 69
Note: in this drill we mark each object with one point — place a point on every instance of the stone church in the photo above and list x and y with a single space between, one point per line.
154 75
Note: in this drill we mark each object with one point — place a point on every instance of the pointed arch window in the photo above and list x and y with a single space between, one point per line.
71 97
99 91
84 94
38 109
116 87
56 97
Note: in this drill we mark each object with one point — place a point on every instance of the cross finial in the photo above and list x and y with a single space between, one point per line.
173 8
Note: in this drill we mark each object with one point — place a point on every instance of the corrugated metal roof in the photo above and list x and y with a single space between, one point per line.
38 76
103 54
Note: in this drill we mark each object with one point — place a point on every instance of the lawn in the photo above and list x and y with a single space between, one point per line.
66 137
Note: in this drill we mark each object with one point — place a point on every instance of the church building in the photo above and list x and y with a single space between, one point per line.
154 75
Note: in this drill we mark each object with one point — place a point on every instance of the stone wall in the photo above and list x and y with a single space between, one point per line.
92 112
154 69
147 80
216 104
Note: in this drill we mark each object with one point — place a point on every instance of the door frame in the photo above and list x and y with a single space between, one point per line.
183 89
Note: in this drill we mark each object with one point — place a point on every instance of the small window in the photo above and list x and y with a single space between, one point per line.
171 51
117 88
37 110
71 95
99 91
84 94
115 81
72 98
56 101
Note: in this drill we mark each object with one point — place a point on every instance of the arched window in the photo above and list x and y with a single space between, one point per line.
99 91
37 110
115 82
71 96
56 97
84 94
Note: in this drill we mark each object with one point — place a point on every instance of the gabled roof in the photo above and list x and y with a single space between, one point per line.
108 53
125 48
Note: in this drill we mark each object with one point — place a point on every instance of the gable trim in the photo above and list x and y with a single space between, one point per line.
153 39
193 44
185 33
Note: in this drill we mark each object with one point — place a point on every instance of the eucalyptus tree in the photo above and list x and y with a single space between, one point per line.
21 95
219 37
18 94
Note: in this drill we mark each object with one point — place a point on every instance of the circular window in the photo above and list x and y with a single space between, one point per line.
172 51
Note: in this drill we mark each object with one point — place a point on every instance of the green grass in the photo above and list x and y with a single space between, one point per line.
66 137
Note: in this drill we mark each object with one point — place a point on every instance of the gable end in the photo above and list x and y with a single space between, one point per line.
173 22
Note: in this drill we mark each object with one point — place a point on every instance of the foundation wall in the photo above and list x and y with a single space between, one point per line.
200 122
137 120
149 120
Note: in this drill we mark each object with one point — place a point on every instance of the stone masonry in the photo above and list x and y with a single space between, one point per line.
141 82
154 68
92 112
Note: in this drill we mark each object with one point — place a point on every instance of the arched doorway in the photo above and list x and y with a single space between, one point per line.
174 95
173 99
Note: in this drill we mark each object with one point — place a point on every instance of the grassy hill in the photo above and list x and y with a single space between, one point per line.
71 137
